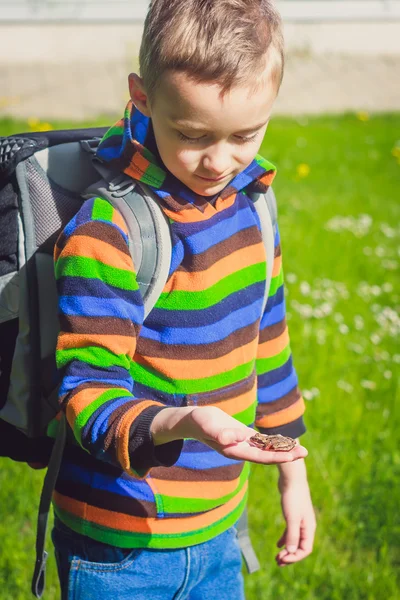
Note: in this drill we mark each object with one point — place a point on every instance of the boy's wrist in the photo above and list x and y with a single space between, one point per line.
293 473
171 424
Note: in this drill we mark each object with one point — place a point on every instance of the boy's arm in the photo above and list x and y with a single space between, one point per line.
101 313
280 404
280 410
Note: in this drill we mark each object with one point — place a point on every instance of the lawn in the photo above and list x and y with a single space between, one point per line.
338 197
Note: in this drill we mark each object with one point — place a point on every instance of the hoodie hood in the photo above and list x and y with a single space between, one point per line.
129 147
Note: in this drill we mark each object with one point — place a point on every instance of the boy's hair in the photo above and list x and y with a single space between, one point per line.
229 42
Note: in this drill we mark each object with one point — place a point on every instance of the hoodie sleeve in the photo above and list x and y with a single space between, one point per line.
101 313
280 404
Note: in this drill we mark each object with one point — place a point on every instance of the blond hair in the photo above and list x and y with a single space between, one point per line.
229 42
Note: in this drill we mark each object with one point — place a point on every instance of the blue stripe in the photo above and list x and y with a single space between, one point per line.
98 424
199 242
199 335
82 286
277 375
123 486
161 318
274 392
89 306
274 316
204 460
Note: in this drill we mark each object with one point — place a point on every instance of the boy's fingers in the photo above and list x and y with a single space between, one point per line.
281 540
244 451
292 536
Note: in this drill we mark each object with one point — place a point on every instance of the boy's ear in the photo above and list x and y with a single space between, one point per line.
138 94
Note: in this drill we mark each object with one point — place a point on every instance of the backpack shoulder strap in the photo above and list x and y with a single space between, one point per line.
148 231
265 205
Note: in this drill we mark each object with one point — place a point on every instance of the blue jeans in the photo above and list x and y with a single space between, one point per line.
91 570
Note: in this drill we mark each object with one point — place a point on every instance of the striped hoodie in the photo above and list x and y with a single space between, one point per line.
205 343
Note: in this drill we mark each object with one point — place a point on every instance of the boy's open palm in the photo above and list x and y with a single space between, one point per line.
226 435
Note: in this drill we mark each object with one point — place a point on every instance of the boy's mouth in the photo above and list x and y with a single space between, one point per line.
214 179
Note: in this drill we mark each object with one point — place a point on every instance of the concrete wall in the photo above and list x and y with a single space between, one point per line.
70 43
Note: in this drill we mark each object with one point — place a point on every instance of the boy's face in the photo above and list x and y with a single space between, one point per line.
205 140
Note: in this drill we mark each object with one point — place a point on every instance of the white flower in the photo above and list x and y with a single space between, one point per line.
387 287
305 288
375 339
387 231
358 322
291 278
389 264
387 374
396 358
357 348
345 386
368 384
380 251
343 328
338 318
310 394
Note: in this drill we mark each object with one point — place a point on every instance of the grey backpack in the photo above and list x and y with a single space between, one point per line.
44 179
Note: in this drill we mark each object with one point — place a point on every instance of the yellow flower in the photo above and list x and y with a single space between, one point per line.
303 170
362 115
396 151
33 123
45 127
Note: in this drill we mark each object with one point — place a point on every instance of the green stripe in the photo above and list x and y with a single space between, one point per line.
154 380
90 268
102 210
123 539
84 416
113 131
264 163
92 355
248 415
179 300
174 504
265 365
276 283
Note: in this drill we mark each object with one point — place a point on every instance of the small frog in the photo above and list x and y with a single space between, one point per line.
273 442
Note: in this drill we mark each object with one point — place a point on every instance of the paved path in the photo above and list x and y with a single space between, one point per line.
312 85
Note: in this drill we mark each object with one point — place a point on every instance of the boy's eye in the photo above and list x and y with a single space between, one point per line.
243 139
190 140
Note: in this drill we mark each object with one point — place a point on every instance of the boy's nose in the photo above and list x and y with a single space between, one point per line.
216 164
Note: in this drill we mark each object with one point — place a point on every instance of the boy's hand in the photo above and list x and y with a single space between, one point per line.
297 508
220 431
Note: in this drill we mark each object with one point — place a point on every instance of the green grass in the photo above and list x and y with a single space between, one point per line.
343 303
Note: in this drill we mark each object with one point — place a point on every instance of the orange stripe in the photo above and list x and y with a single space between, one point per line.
268 178
208 490
56 253
88 247
193 369
240 403
85 397
277 266
201 280
123 433
194 215
283 417
118 344
119 220
137 167
107 518
273 347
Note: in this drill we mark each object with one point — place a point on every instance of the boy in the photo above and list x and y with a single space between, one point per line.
162 406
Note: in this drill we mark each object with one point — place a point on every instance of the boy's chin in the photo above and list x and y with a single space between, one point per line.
204 188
